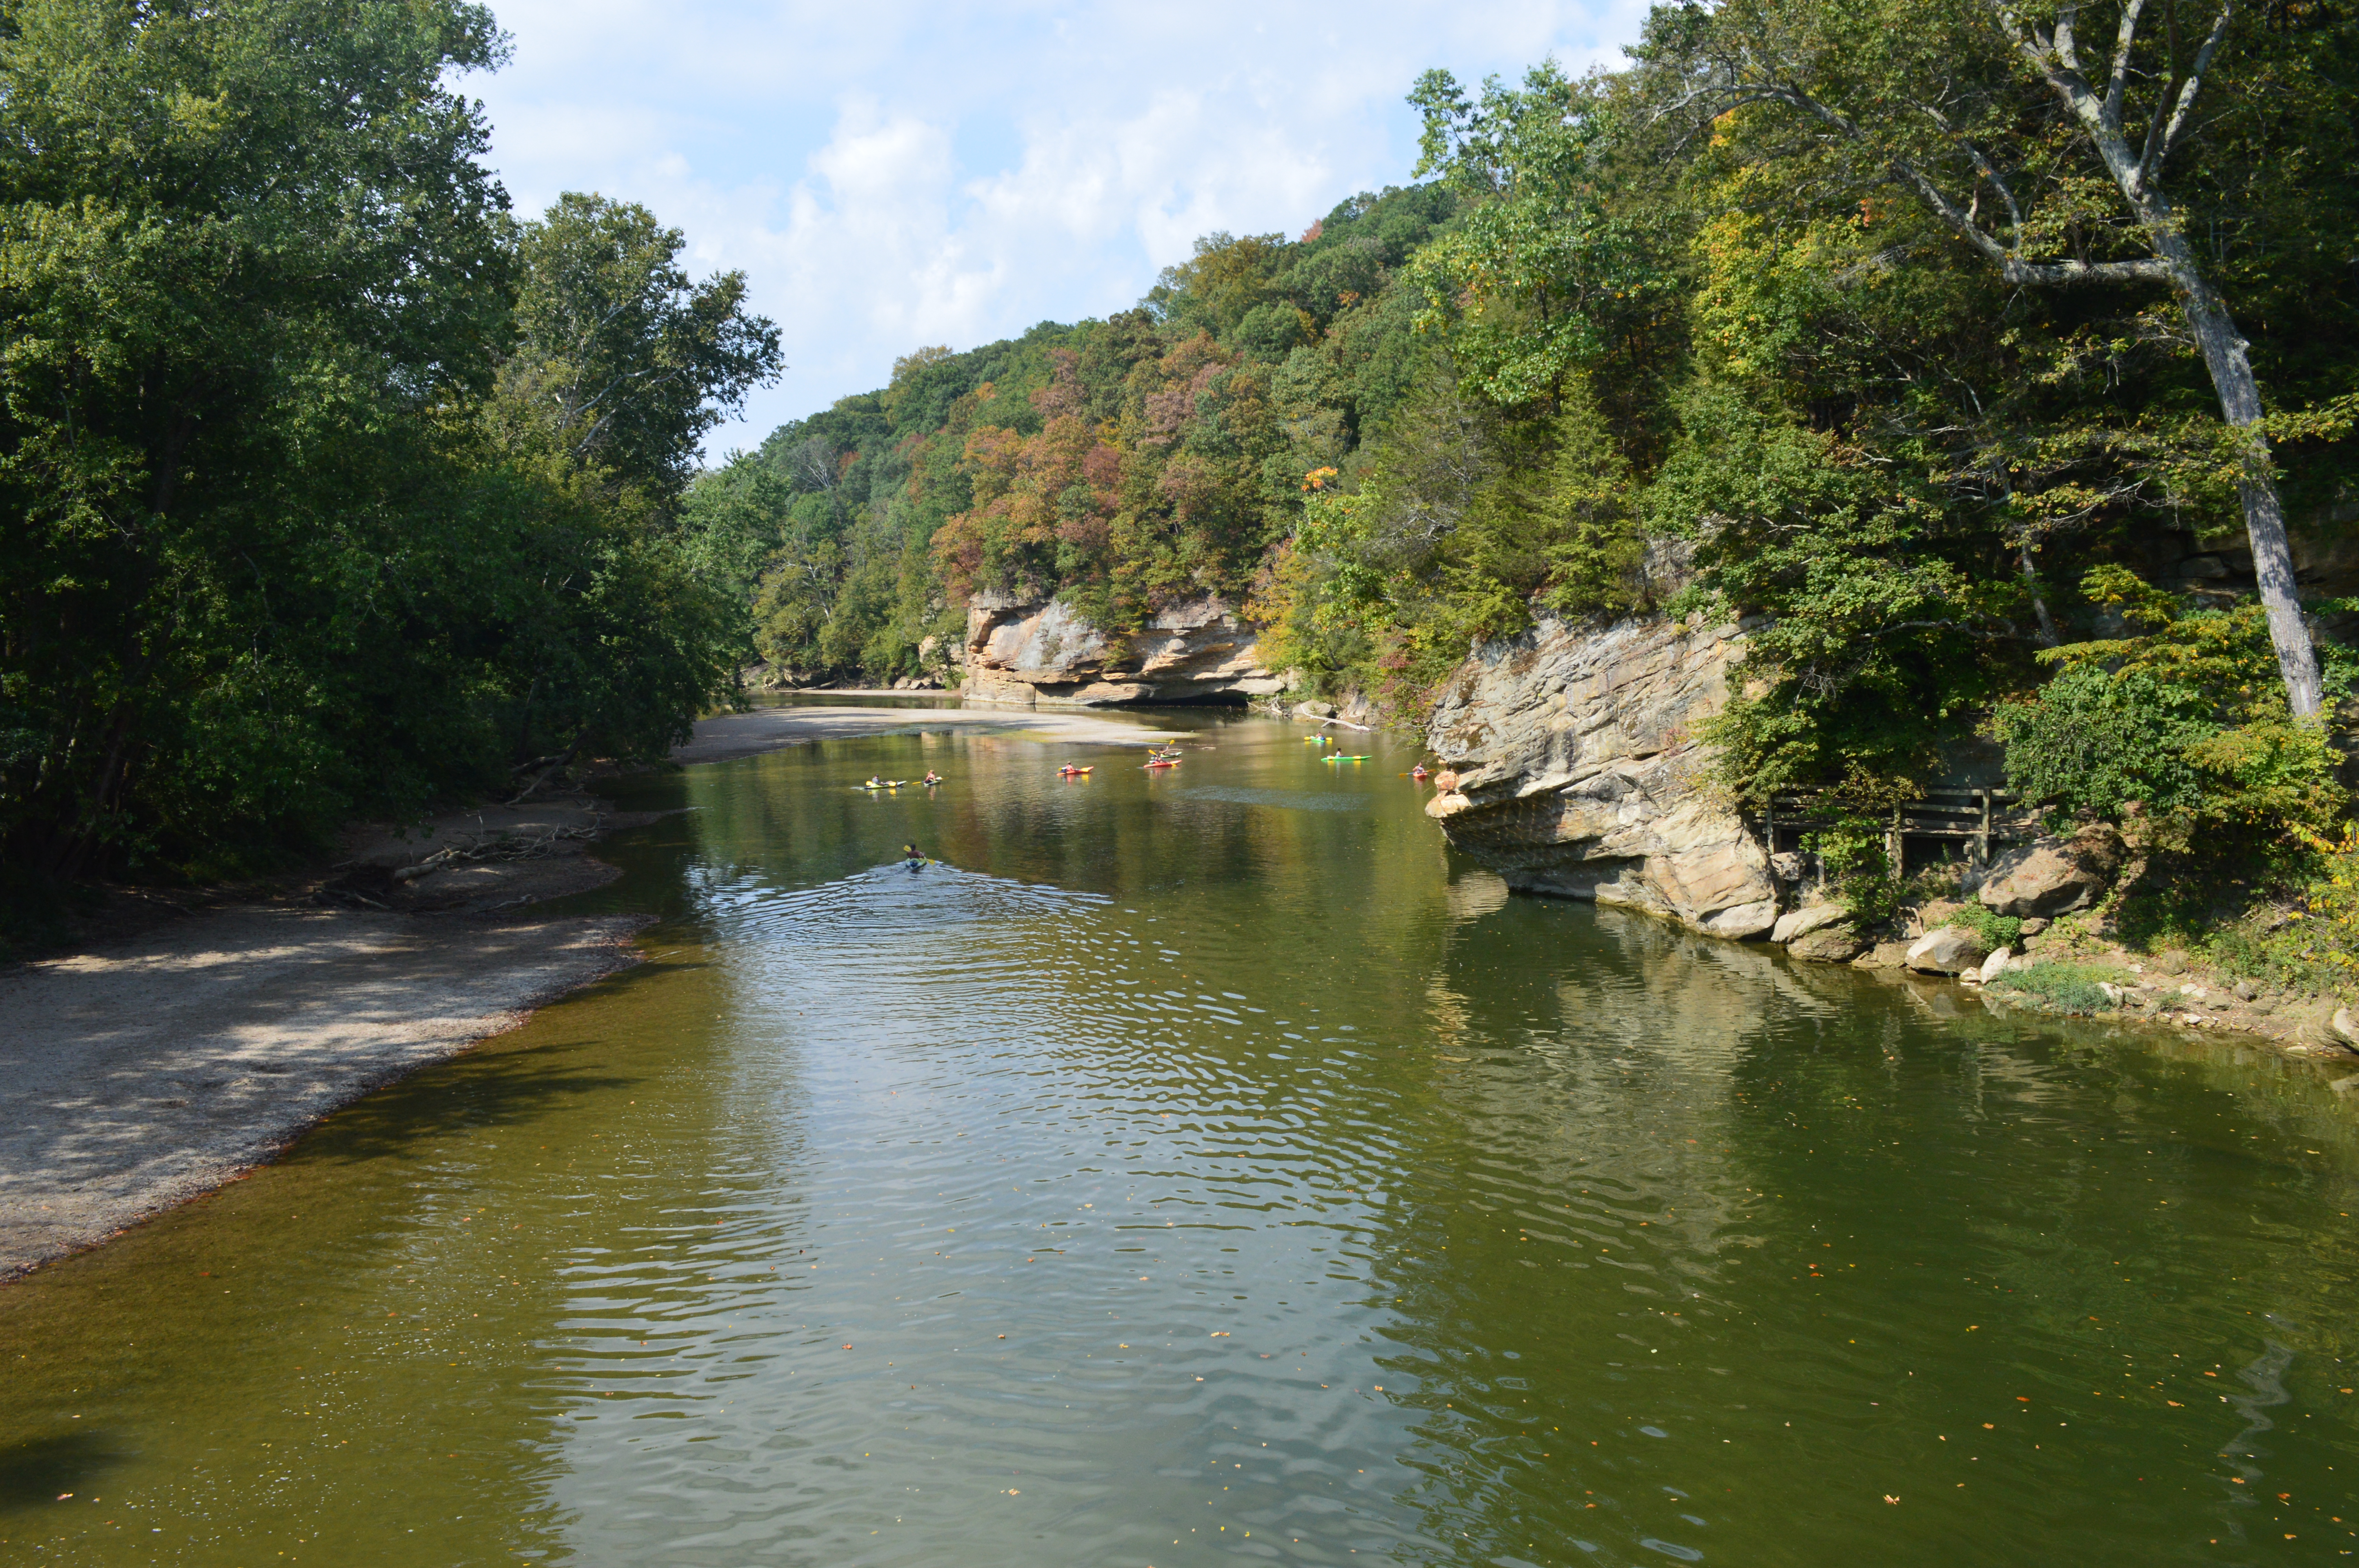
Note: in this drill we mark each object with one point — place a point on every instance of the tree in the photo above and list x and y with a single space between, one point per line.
620 360
621 363
1545 273
1983 111
247 250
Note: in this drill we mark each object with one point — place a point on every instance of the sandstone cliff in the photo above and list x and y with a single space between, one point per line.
1579 773
1046 655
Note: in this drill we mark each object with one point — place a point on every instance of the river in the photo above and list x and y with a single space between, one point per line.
1206 1165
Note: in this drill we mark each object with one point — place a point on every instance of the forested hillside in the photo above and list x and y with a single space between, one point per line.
1984 376
1122 462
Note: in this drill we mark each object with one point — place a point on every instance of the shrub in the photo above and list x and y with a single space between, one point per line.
2326 928
1852 854
2093 739
1994 931
2186 715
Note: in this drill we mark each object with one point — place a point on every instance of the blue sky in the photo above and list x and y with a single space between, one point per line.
890 175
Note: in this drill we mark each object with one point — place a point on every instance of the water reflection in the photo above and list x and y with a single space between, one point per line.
1202 1167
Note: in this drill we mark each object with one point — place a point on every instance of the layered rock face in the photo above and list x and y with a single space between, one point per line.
1579 773
1046 655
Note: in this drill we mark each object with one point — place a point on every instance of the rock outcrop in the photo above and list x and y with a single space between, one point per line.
1047 656
1579 773
2054 876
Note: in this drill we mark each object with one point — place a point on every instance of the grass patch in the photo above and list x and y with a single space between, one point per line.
2057 987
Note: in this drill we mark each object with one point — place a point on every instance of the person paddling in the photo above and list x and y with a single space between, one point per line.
915 858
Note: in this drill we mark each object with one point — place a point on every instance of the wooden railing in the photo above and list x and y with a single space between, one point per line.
1979 818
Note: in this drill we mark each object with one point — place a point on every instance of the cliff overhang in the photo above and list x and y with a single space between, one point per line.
1581 772
1045 654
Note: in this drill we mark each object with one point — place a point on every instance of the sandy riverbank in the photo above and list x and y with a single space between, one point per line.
730 735
146 1075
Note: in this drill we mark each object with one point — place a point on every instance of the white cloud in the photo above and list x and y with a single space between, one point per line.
819 148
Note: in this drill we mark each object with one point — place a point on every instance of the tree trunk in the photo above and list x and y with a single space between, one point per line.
2136 175
2240 406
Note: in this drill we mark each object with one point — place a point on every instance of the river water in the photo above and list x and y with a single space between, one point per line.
1203 1166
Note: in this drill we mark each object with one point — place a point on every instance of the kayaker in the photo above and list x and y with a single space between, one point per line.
932 777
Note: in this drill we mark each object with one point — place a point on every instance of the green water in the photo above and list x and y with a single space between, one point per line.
1205 1166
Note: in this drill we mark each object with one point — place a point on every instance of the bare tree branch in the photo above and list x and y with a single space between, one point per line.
2186 104
2117 81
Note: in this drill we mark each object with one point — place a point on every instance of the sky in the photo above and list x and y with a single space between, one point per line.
890 175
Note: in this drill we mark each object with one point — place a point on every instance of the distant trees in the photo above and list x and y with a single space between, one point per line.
1121 463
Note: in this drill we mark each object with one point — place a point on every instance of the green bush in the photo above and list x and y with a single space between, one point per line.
2056 987
1857 867
1995 931
2093 740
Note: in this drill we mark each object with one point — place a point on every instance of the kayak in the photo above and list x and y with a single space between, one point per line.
1339 757
1071 773
1164 762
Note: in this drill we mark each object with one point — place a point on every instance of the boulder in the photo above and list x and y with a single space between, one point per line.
1836 943
1946 950
1800 923
1994 966
1884 956
2054 876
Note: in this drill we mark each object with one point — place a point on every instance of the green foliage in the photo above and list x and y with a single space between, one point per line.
1547 271
307 520
1858 867
2056 987
2094 741
1466 523
2184 714
1993 931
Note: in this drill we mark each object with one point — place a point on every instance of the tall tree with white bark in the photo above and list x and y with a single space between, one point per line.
2057 169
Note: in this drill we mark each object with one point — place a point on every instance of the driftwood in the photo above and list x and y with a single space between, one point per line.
502 847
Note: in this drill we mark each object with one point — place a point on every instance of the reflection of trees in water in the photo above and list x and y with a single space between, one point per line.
1562 1246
